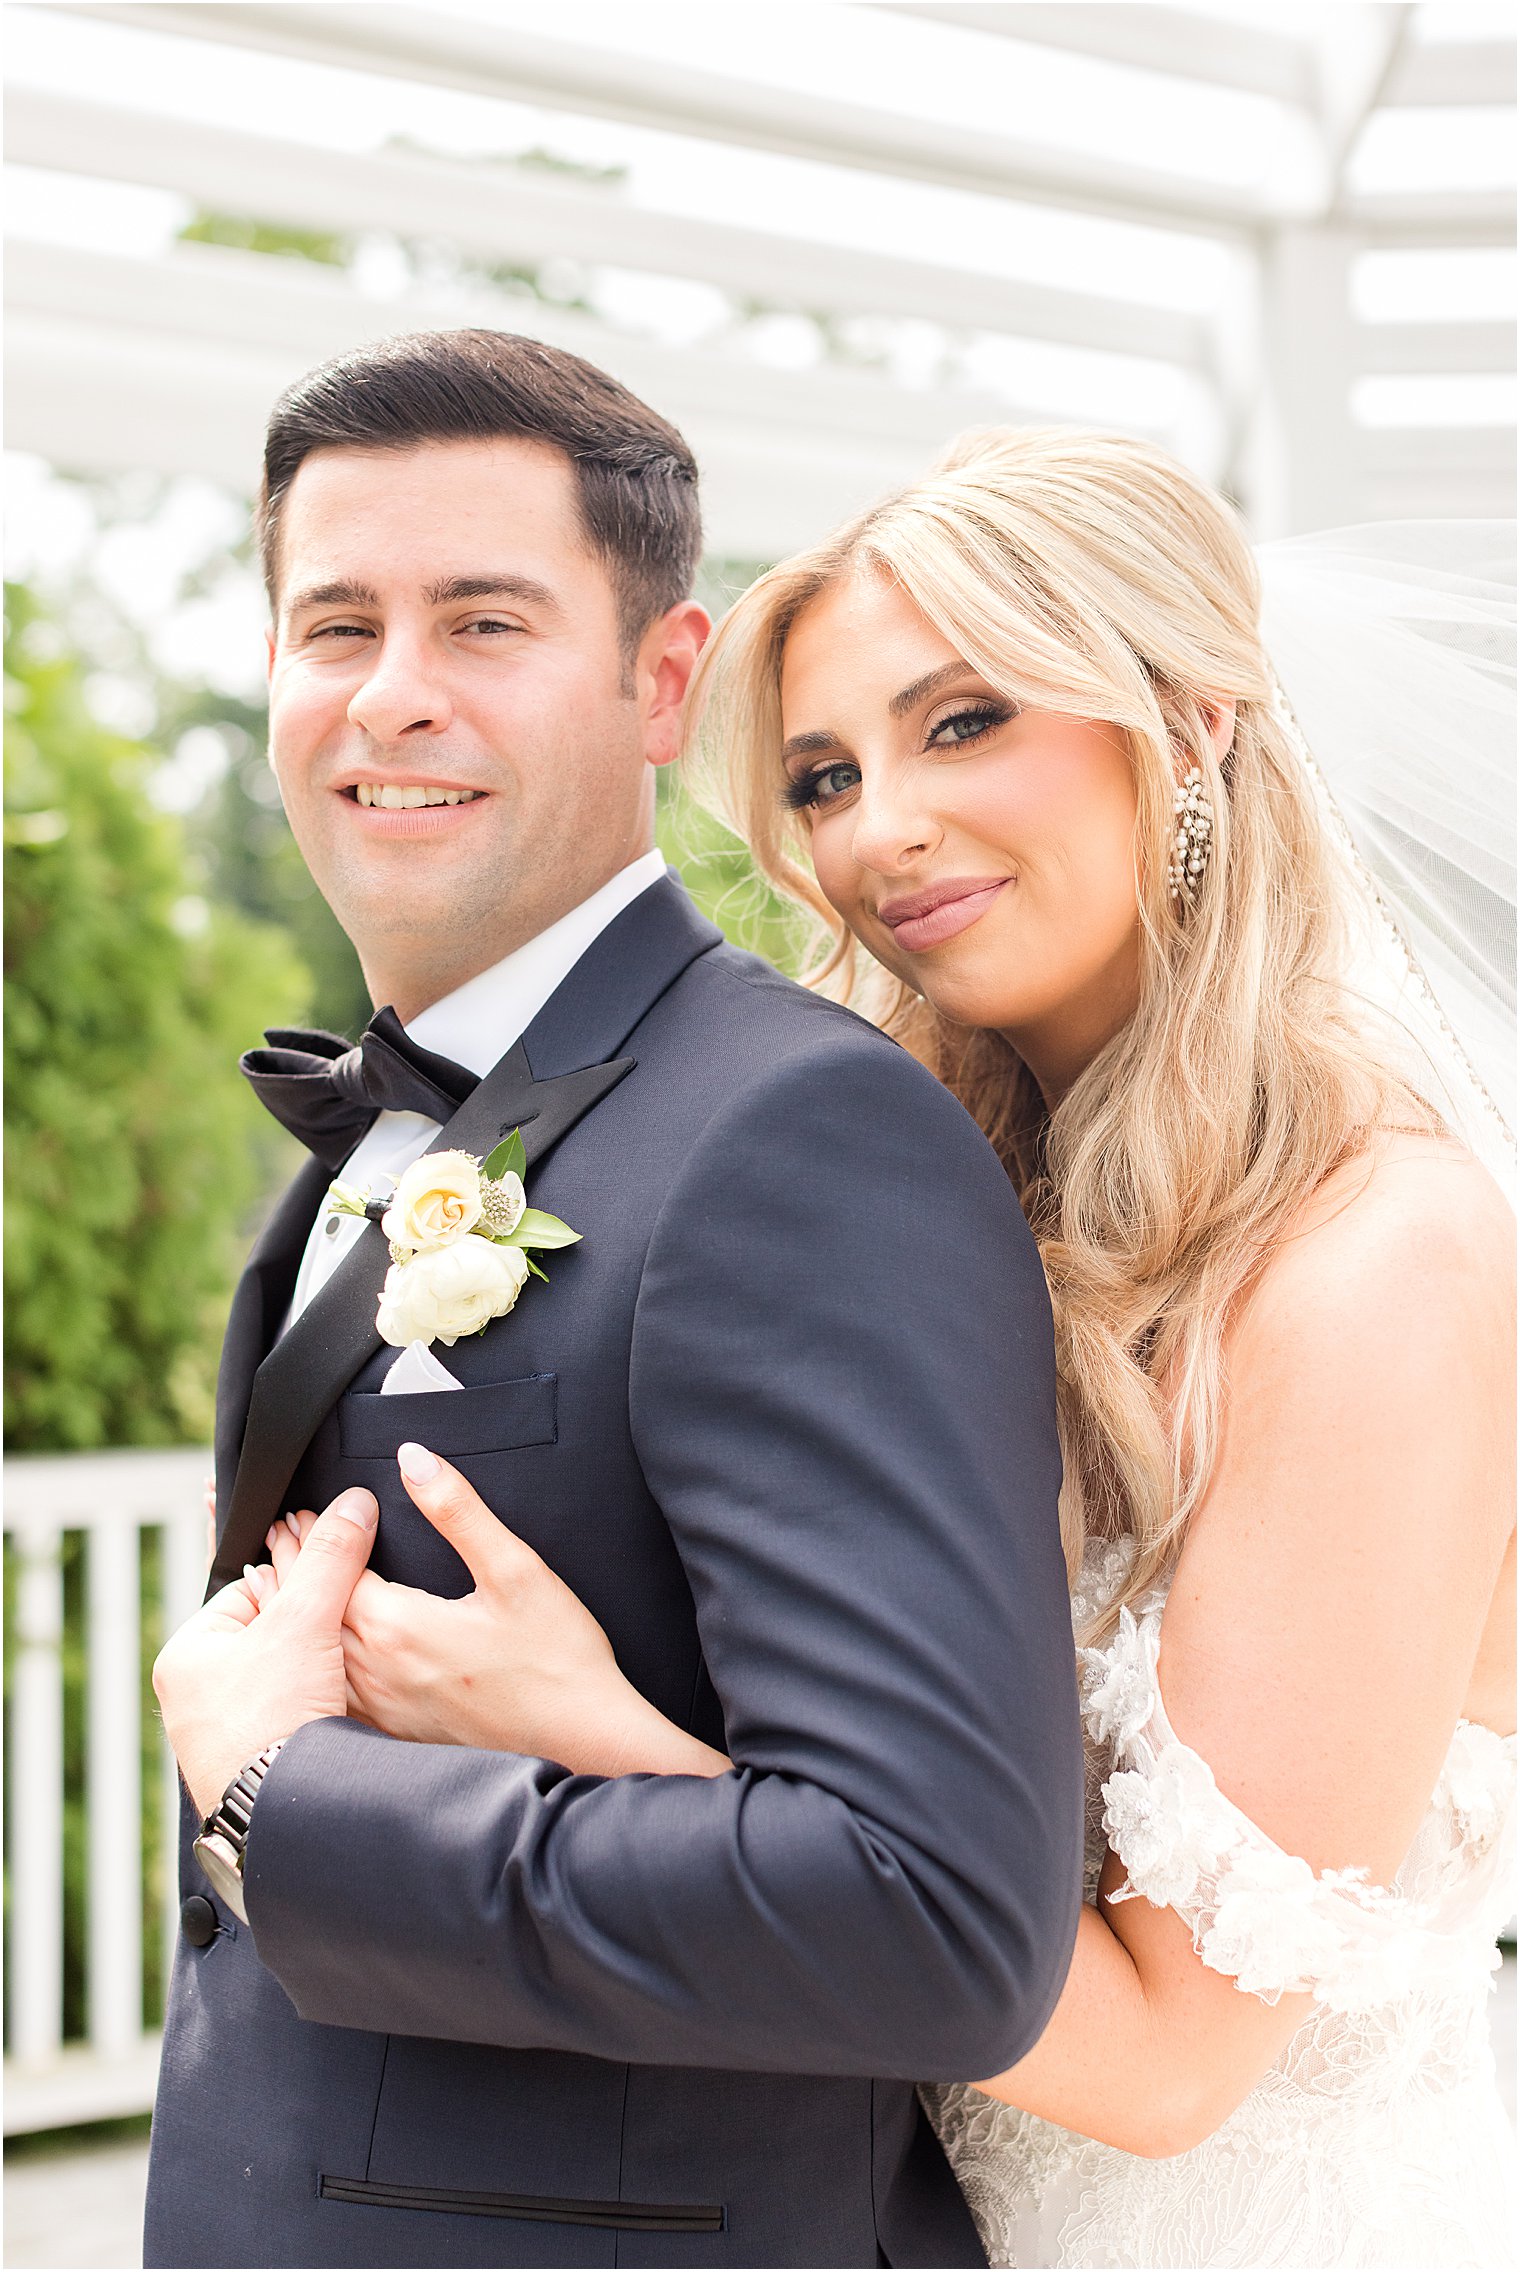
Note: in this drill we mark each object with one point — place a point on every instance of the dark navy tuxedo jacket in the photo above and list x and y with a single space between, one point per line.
785 1422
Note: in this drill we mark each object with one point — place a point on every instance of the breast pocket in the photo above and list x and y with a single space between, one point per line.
496 1416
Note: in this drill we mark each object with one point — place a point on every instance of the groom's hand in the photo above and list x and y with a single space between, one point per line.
255 1664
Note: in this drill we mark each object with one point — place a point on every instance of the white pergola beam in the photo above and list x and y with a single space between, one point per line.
1463 74
1404 450
1357 51
1440 217
178 360
1439 495
304 313
1436 473
419 43
505 214
1444 350
96 400
1181 42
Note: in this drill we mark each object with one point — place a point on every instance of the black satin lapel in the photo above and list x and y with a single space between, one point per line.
259 1302
509 1097
293 1390
619 978
311 1365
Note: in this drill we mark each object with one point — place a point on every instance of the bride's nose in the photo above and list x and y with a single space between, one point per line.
892 828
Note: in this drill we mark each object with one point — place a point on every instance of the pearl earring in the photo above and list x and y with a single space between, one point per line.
1194 817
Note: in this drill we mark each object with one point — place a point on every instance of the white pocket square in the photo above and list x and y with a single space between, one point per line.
416 1371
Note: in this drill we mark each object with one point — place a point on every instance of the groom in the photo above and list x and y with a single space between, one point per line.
784 1420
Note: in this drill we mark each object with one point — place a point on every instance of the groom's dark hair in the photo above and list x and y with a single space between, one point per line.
635 477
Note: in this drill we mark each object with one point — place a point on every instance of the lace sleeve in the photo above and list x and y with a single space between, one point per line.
1257 1914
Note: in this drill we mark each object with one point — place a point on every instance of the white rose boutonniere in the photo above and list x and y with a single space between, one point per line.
446 1292
436 1201
462 1239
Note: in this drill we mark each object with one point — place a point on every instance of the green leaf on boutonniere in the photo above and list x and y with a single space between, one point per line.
509 1158
533 1266
536 1229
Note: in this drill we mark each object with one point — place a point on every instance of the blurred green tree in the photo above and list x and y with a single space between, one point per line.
241 835
134 1151
246 234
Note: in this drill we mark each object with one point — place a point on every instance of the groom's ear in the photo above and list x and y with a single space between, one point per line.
269 650
667 657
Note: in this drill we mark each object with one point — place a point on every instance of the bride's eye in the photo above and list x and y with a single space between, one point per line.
821 789
969 725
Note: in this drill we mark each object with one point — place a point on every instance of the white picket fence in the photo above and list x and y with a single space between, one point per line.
113 1498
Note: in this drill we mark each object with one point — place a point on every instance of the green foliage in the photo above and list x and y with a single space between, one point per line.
509 1158
243 840
715 865
541 1232
722 878
245 234
134 1150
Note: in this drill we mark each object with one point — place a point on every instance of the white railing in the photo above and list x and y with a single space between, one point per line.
112 1498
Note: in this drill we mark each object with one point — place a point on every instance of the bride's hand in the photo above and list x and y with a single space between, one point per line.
519 1665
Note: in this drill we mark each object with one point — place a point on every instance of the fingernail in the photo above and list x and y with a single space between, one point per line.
293 1526
416 1463
356 1506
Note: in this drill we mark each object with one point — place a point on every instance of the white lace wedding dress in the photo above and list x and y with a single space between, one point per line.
1378 2138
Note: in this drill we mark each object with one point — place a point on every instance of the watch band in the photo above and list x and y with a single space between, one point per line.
223 1836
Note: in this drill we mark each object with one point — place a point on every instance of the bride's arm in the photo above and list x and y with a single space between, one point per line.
1318 1642
517 1664
1322 1628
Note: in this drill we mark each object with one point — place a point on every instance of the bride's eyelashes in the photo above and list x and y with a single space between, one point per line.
821 787
970 723
813 790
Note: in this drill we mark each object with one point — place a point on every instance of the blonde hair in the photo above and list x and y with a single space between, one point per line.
1091 575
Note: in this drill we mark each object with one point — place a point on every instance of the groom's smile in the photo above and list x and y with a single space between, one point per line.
463 749
405 805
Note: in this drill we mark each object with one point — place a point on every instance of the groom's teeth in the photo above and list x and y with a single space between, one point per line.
390 797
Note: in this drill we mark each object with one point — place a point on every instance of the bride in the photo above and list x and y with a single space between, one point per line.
1015 738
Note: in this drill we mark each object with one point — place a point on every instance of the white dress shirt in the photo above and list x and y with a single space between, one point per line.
475 1026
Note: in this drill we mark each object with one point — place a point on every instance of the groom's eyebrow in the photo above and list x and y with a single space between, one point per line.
447 591
521 588
344 593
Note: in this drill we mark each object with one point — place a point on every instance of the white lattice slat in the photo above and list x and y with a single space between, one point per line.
36 1795
111 1497
114 1789
184 1569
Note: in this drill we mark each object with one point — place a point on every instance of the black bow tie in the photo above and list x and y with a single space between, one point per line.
328 1091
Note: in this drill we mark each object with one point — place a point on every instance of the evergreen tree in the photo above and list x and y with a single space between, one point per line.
135 1154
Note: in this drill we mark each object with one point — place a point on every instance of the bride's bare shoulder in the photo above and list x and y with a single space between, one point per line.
1406 1186
1412 1229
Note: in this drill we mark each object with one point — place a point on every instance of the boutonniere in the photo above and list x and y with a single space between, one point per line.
462 1239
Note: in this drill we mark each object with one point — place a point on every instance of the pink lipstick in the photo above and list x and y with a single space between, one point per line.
928 918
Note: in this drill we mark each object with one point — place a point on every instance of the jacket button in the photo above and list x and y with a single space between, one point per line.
197 1921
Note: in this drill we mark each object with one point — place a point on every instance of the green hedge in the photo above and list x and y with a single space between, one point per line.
134 1151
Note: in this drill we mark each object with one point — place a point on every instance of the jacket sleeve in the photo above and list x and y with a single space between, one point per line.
842 1394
